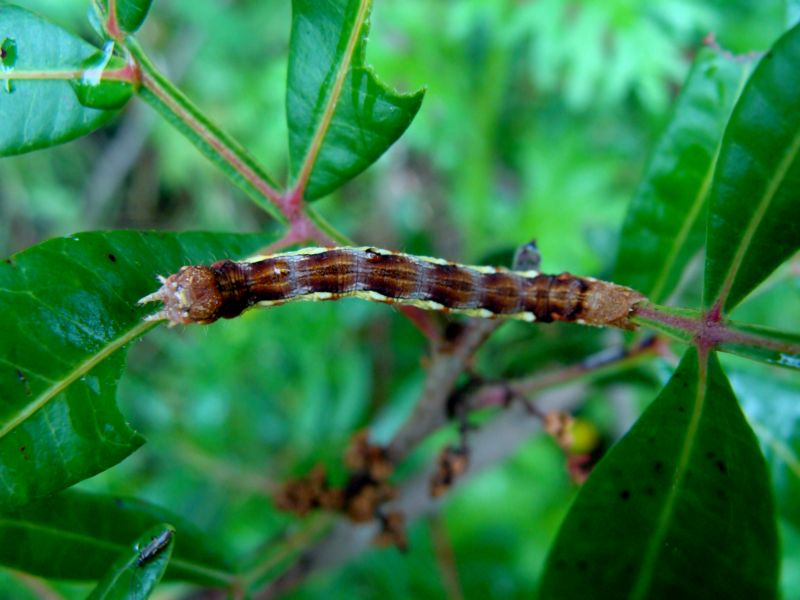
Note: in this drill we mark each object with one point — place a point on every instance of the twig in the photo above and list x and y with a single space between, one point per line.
446 366
489 445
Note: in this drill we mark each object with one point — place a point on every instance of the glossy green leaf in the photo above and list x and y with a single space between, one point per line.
94 91
38 108
680 508
139 568
130 13
67 310
754 212
341 117
772 407
77 535
665 225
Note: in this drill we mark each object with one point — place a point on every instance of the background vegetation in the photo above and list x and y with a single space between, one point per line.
531 127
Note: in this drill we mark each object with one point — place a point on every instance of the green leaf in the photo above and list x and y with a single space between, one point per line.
341 117
772 407
77 535
95 92
754 212
38 108
67 310
681 507
665 225
138 570
130 13
792 12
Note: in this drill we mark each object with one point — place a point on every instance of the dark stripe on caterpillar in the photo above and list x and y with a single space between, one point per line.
203 294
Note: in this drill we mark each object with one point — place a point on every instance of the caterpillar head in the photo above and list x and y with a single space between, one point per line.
189 296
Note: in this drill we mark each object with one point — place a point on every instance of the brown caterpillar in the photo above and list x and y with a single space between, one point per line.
203 294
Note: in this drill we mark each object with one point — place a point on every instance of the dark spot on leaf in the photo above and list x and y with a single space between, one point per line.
721 466
681 409
625 494
119 503
768 56
658 466
22 449
24 381
582 565
112 258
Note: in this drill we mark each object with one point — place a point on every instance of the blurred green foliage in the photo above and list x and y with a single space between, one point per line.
537 122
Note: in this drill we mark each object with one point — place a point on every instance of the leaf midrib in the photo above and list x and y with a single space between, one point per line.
771 191
333 99
115 547
29 409
694 210
645 576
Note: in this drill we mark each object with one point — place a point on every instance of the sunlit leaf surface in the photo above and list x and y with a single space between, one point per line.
754 212
67 310
341 117
38 107
682 504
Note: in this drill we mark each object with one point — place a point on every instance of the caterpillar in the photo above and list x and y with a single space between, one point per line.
203 294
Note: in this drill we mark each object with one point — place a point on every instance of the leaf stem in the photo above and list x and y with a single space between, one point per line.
707 331
214 143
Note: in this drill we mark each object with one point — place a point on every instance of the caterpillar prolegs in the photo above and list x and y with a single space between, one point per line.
203 294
